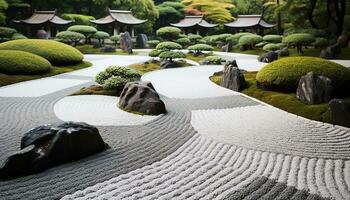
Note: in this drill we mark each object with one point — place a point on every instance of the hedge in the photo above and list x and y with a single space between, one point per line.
55 52
284 74
273 38
20 62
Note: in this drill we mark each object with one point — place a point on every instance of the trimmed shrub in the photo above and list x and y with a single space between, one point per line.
237 36
321 42
70 37
214 60
18 36
250 40
198 48
20 62
215 39
55 52
184 41
115 39
261 44
170 55
83 29
166 46
194 38
6 33
232 40
284 74
79 19
88 31
123 72
273 47
100 36
168 33
115 82
273 38
153 43
154 53
299 40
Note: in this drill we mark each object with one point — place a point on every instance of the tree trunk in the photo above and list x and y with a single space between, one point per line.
279 20
311 12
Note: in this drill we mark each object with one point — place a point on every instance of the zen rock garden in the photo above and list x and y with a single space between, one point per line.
185 99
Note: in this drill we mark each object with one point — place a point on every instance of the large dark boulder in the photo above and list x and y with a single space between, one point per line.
47 145
108 48
314 89
141 41
42 34
126 42
232 77
340 114
331 52
166 64
284 52
141 97
268 57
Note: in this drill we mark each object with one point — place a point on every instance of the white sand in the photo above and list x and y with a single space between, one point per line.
97 110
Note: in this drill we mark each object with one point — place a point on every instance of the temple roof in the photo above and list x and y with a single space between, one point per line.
248 21
190 21
41 17
121 16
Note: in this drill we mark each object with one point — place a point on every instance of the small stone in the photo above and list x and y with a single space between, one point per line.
232 77
340 114
141 97
314 89
268 57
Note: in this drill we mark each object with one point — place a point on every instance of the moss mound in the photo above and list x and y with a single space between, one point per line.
20 62
284 74
55 52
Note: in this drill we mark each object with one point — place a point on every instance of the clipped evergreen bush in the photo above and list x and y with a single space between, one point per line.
299 40
100 36
115 39
153 43
284 74
123 72
6 33
184 41
115 82
214 60
166 46
198 48
88 31
168 33
170 55
250 40
70 37
55 52
194 38
78 18
321 43
154 53
18 36
21 62
273 38
273 47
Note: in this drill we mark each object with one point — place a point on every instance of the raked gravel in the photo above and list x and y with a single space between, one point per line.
98 110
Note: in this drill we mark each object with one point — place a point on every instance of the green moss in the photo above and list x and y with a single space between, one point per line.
56 53
88 49
284 101
145 68
96 90
284 74
215 60
6 79
21 62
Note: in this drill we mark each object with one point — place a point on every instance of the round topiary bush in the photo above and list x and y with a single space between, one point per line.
70 37
184 41
115 39
168 33
153 43
249 40
194 38
284 74
198 48
83 29
214 60
123 72
299 40
115 82
166 46
273 38
154 53
6 33
321 42
55 52
170 55
272 47
18 36
21 62
100 36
